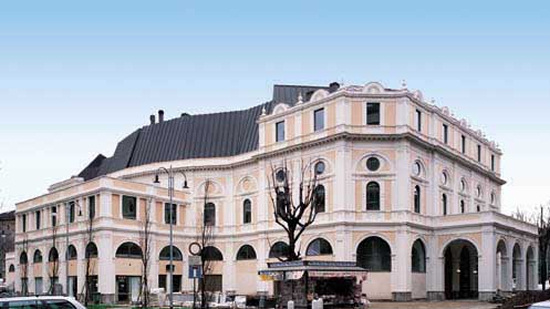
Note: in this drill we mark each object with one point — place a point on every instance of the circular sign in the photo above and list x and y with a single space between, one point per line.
195 248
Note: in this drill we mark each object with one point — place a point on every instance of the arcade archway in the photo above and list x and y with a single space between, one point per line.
461 272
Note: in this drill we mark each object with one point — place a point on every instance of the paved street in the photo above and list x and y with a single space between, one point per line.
465 304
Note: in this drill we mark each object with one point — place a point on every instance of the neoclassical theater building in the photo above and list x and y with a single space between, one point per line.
411 193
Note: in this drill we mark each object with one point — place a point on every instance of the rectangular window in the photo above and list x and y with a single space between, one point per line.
129 207
463 144
478 153
91 207
38 220
71 212
54 216
373 113
24 223
319 119
418 121
493 163
167 213
445 134
280 131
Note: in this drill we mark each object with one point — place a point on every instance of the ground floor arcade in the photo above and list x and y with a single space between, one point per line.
404 261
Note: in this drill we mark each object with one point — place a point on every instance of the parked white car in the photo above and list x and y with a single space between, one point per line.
46 302
541 305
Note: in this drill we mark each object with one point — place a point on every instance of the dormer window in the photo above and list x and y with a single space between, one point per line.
478 153
373 113
319 119
280 131
418 120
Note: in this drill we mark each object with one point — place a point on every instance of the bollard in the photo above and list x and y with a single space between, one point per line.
290 304
315 304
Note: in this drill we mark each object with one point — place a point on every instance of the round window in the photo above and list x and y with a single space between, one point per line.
280 176
319 168
444 178
373 164
417 168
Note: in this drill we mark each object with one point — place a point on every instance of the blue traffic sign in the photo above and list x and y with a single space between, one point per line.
195 271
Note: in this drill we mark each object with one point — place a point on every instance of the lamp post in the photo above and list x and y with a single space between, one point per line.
170 171
67 219
2 255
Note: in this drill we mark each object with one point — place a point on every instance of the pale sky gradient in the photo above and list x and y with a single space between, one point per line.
76 77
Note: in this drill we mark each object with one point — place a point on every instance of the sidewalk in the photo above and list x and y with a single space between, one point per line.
459 304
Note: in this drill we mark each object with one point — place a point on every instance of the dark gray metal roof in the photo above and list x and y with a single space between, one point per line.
194 136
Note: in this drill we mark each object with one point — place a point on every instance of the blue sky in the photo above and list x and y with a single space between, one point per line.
76 77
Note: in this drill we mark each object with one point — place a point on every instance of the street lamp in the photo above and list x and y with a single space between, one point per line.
67 219
170 171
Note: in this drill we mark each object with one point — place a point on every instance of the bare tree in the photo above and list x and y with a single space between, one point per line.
294 212
24 266
205 238
53 273
145 243
90 265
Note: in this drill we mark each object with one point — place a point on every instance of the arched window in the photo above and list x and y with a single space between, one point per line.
209 214
418 257
212 254
165 254
278 250
53 256
246 252
91 250
319 247
247 211
129 250
319 198
12 268
23 259
462 206
374 254
71 253
373 196
417 199
37 258
444 203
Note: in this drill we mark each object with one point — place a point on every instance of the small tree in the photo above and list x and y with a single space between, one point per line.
53 273
89 259
544 240
205 239
24 266
145 242
294 212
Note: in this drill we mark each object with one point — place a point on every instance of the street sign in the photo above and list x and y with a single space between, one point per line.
194 260
195 272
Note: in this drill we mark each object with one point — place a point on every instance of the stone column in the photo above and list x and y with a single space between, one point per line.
81 266
106 269
486 265
435 266
401 267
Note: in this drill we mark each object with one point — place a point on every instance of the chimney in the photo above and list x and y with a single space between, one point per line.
161 115
333 87
152 118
